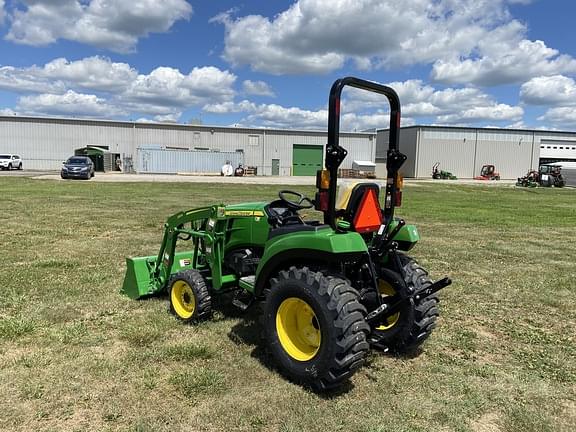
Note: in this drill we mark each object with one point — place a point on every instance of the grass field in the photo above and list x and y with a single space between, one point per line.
76 355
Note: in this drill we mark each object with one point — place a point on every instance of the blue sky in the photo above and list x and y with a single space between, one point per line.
502 63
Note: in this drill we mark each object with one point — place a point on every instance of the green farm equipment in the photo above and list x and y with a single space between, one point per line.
327 290
441 174
548 175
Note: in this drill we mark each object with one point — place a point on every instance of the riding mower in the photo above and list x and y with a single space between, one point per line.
441 174
531 179
328 290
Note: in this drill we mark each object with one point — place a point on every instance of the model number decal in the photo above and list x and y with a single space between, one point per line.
244 213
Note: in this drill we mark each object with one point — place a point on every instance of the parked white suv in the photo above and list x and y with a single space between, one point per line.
9 161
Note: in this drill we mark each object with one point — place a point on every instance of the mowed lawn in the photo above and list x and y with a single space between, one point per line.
77 355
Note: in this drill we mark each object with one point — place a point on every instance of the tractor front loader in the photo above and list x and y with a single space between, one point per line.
327 290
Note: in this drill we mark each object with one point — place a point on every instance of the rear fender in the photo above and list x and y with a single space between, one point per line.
323 247
407 237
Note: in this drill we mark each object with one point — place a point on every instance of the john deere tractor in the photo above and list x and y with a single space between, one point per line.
327 290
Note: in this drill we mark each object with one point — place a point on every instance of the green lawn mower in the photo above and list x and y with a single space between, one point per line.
327 290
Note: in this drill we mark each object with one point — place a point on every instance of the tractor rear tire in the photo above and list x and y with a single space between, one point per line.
407 330
314 328
189 297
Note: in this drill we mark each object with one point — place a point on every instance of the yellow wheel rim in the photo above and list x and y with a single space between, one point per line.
386 290
298 329
183 299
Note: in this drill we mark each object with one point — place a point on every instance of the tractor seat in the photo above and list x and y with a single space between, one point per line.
280 215
359 205
284 220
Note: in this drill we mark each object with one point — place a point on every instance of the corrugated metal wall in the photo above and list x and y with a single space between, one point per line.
407 143
510 152
463 151
453 149
45 143
184 161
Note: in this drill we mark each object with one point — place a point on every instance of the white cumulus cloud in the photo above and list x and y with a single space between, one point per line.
67 104
169 87
498 112
230 107
511 62
474 42
7 112
164 92
257 88
110 24
549 90
318 36
94 73
451 105
562 117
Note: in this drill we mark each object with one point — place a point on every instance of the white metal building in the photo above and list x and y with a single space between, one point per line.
44 143
463 151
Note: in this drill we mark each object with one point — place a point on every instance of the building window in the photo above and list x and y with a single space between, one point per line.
253 140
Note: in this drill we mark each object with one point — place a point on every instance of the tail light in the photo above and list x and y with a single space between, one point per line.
321 201
398 200
399 185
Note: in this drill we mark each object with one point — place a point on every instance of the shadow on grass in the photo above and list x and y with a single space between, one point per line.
247 332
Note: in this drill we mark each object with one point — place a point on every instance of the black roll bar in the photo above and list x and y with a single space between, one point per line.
335 154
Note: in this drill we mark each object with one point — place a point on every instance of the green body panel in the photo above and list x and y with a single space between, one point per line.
407 237
249 226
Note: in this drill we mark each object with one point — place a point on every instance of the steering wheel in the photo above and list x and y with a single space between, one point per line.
301 202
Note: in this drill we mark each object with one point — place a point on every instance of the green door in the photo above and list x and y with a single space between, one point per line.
306 159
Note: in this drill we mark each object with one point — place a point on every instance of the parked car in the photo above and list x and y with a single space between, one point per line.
78 167
10 161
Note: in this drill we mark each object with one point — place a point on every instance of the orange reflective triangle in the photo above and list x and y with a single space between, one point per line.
369 217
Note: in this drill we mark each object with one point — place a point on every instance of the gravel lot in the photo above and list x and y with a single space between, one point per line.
167 178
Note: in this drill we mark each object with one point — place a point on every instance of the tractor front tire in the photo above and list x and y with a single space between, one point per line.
405 331
313 327
189 297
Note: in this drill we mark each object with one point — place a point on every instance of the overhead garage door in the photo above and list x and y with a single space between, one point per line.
306 159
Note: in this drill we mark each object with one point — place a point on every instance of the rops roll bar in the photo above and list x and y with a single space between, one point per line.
335 154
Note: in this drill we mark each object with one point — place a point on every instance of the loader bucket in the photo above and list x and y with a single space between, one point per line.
137 281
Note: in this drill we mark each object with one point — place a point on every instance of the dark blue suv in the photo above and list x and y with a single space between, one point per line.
78 167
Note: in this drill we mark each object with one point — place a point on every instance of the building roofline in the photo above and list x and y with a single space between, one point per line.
481 128
144 125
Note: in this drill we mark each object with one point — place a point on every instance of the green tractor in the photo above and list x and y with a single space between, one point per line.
328 290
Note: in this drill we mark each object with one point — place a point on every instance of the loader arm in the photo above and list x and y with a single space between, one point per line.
148 275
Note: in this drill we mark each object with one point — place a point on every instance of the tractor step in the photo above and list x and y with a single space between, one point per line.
243 299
